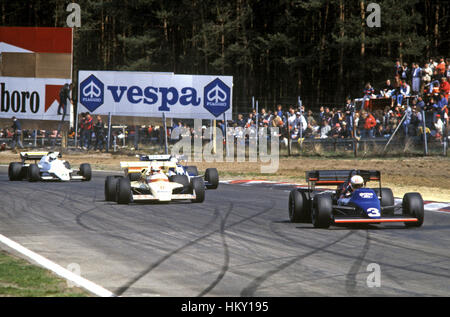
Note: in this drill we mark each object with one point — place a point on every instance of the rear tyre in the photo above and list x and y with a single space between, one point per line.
412 206
110 188
15 171
123 191
198 189
387 199
212 177
86 172
298 211
33 173
322 211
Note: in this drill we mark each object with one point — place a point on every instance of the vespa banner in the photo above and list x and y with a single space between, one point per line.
152 94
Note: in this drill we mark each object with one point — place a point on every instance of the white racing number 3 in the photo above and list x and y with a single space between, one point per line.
373 212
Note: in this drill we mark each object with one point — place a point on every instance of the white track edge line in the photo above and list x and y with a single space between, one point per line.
57 269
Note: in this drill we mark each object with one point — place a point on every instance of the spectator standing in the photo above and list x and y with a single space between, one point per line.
325 129
427 72
405 91
444 87
16 138
405 75
64 98
300 122
99 131
398 69
321 113
369 125
407 121
439 126
241 121
416 78
86 131
441 67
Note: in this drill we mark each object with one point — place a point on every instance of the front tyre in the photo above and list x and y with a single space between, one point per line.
123 191
198 188
86 172
322 211
212 178
412 206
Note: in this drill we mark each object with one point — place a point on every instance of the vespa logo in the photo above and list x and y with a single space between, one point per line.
92 93
217 97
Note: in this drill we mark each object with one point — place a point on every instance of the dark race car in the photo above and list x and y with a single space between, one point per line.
376 205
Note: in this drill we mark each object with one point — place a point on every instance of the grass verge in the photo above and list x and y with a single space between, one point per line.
19 278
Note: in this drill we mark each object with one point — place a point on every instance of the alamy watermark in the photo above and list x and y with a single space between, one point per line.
374 278
252 141
374 18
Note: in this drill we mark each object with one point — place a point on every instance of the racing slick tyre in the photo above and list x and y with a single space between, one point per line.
322 211
212 178
33 173
387 199
123 191
183 180
192 170
412 206
15 171
86 172
298 211
110 188
198 189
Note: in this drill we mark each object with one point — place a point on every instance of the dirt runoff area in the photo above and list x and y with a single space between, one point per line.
429 176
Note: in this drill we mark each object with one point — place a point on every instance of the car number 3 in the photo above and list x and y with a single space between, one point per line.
373 212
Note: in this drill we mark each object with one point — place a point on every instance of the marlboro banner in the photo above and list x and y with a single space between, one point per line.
30 98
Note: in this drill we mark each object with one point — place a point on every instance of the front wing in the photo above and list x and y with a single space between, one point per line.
148 197
347 219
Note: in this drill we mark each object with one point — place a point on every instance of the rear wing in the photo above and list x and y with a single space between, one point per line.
338 177
35 156
162 158
138 167
159 158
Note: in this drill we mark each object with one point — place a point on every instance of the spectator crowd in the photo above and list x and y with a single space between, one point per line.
411 92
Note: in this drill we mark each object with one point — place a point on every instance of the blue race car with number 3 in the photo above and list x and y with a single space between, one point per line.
324 208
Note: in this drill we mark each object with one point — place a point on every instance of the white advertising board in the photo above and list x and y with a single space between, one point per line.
152 94
31 98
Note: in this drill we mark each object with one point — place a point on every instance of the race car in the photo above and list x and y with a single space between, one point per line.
172 166
147 181
47 166
324 208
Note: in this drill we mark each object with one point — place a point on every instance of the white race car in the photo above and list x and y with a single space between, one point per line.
147 181
171 165
47 166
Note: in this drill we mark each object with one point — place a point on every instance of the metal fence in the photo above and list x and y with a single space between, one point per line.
152 138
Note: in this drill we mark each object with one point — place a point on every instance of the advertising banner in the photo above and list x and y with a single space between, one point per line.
152 94
31 98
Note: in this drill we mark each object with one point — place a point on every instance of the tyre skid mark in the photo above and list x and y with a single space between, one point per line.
125 287
251 288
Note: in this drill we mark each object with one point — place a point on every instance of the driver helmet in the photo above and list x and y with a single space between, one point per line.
52 157
356 182
155 169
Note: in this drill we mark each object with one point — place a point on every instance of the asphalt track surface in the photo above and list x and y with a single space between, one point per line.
239 242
